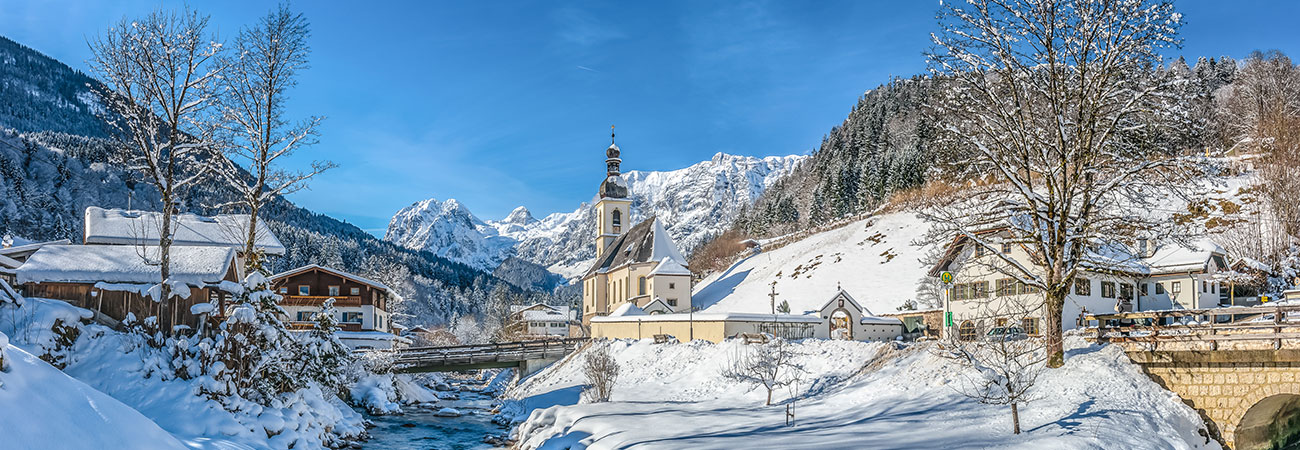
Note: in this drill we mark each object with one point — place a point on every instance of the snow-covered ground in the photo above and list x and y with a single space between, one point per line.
114 382
876 260
43 408
675 396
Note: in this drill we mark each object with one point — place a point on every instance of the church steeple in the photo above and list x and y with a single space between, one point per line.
614 209
613 186
611 155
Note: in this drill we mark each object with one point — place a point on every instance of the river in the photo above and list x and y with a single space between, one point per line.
419 428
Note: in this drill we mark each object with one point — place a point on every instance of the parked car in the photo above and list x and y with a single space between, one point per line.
1006 334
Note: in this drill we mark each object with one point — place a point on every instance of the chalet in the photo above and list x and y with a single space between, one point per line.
120 280
140 228
984 292
540 320
13 256
362 303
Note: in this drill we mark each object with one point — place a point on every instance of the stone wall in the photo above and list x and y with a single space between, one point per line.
1224 385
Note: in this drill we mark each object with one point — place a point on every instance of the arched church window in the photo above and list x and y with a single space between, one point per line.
618 217
640 286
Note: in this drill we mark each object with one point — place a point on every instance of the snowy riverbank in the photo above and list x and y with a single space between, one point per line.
674 396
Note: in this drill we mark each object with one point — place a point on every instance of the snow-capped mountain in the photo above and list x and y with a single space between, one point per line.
696 202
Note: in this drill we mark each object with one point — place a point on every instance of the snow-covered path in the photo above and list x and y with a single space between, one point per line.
673 396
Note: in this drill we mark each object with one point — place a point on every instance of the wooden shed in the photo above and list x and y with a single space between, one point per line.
121 280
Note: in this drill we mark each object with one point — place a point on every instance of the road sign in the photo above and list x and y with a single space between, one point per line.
946 277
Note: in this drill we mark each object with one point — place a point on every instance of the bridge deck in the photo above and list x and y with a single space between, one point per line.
466 357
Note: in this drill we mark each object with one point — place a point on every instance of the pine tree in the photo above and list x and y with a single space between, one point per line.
321 356
254 346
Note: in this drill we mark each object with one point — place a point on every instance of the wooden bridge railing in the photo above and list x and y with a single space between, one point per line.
463 354
1243 324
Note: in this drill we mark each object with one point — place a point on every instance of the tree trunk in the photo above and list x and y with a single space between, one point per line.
1053 328
769 397
1015 419
164 255
252 261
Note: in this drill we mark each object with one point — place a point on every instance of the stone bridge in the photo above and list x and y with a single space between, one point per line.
1238 367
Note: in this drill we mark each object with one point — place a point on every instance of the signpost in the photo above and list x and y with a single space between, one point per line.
946 278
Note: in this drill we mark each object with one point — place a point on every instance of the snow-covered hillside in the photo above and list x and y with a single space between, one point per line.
854 395
42 407
875 260
695 203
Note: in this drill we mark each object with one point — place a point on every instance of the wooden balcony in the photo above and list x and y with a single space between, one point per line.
307 325
318 300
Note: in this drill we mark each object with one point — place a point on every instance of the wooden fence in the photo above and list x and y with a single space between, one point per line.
1214 326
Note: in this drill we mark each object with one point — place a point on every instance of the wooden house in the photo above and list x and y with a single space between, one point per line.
362 303
121 280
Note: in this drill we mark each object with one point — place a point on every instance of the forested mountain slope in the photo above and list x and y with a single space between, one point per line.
48 177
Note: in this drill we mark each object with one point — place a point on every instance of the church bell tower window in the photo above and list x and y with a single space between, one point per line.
617 220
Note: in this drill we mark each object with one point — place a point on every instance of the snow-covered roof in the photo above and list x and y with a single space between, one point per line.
627 309
362 280
1175 258
18 252
190 265
668 266
711 317
544 316
7 264
864 311
130 227
1252 264
645 242
875 320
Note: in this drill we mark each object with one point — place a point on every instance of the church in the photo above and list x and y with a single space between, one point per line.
636 265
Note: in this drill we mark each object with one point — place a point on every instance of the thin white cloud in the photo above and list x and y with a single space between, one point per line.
583 29
588 69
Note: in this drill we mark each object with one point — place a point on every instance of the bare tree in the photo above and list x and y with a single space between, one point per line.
1261 113
261 70
601 370
159 73
771 365
1004 363
1051 102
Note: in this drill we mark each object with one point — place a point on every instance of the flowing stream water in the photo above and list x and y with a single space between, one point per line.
419 428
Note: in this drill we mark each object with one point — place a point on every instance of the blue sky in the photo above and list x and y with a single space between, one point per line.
501 104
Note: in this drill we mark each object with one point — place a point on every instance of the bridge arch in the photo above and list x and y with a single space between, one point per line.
1267 415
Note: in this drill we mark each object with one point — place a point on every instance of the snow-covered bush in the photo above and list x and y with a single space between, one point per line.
602 372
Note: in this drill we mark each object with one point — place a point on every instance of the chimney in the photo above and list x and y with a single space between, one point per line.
7 242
